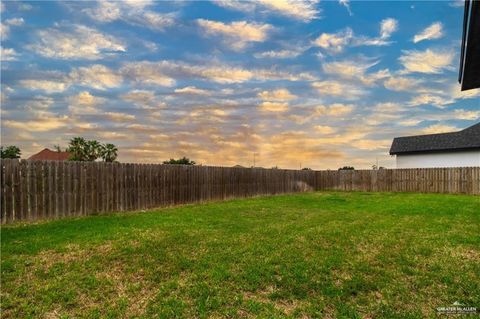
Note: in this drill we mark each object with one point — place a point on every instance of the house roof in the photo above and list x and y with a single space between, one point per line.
49 155
467 139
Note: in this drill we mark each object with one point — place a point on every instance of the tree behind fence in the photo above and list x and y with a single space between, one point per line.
33 190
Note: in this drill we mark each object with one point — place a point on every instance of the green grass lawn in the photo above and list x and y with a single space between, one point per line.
311 255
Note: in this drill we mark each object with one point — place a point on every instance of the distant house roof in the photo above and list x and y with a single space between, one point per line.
49 155
467 139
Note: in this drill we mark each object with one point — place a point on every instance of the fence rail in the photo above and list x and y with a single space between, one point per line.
33 190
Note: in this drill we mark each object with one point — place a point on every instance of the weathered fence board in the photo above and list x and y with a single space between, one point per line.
33 190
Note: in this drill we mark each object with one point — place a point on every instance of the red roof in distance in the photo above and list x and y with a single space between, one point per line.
49 155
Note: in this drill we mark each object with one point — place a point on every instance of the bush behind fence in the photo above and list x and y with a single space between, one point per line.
33 190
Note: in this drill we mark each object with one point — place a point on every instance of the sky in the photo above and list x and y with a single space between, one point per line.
293 84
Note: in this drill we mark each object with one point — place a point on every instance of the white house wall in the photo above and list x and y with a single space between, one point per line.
453 159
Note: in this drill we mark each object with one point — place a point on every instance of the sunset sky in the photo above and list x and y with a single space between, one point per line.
301 84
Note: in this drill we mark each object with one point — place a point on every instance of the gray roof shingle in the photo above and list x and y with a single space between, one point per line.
466 139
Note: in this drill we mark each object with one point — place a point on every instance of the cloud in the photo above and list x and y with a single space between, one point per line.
86 99
424 99
119 117
291 149
131 12
238 5
428 61
338 89
39 103
402 84
384 113
368 144
49 86
37 126
15 22
334 42
388 27
165 73
106 11
466 114
273 106
324 130
336 109
297 9
409 122
439 128
346 4
236 34
113 136
279 54
148 72
143 99
275 100
5 26
141 128
376 119
276 95
265 75
303 10
204 116
354 137
434 31
456 114
84 103
4 31
192 90
388 107
139 97
445 96
44 121
96 76
355 69
75 43
456 93
8 54
25 7
151 20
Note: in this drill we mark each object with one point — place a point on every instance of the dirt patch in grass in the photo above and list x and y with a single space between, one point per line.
464 254
287 307
55 314
72 253
119 280
122 281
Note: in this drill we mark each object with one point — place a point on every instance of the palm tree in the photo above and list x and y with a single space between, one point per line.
93 150
11 151
90 150
109 152
76 149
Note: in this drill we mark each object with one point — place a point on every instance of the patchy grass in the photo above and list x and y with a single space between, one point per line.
330 255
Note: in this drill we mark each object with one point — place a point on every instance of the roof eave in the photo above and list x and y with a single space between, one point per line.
469 63
446 150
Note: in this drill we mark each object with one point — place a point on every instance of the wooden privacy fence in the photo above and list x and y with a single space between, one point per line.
33 190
